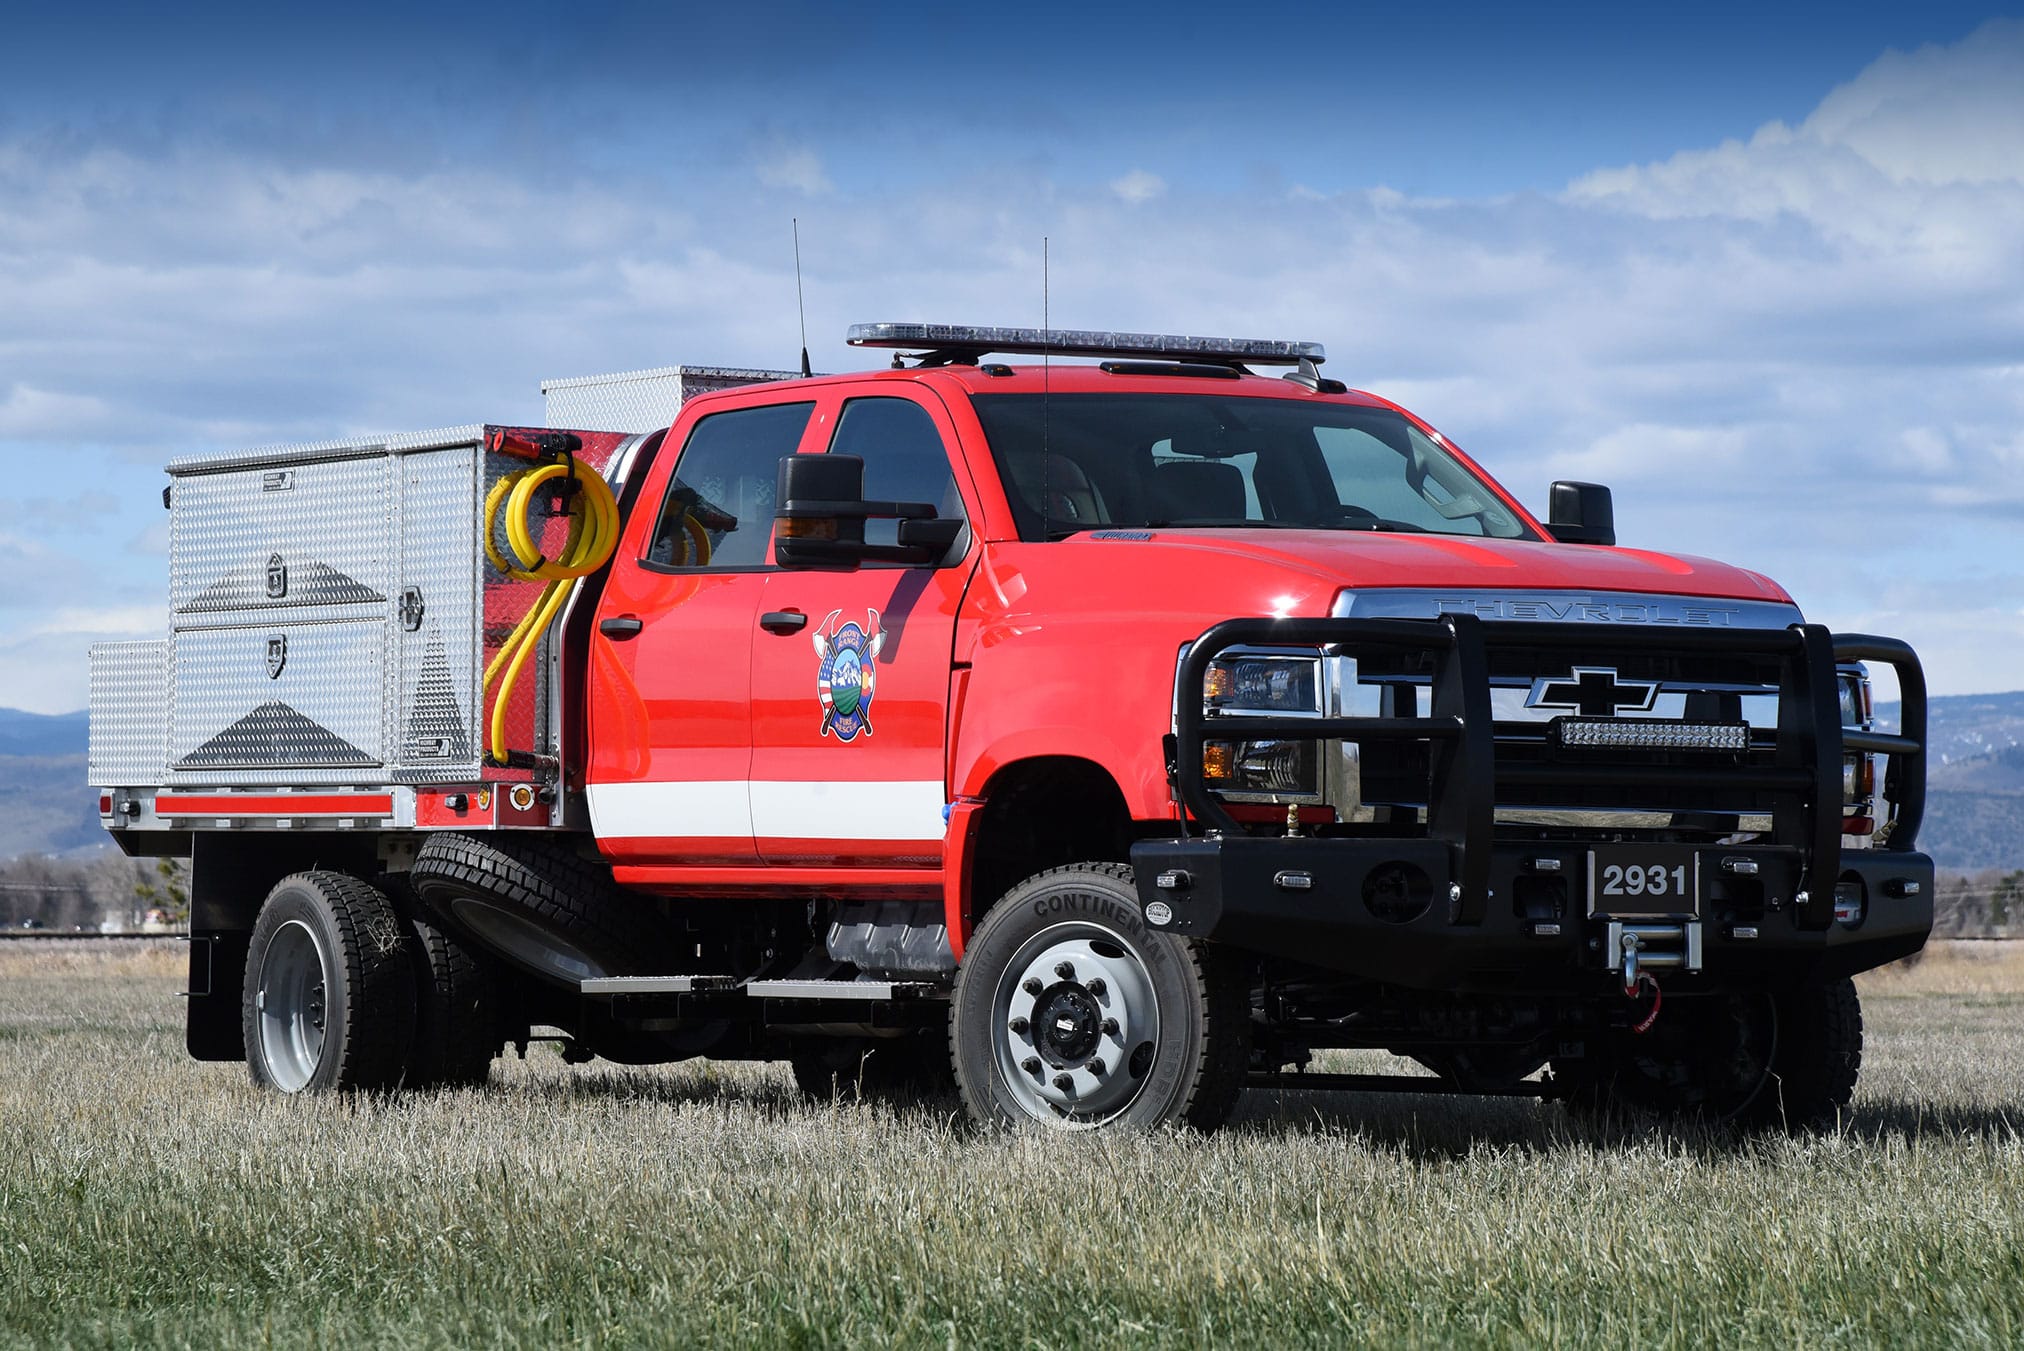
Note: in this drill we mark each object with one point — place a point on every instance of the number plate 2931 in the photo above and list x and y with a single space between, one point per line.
1644 879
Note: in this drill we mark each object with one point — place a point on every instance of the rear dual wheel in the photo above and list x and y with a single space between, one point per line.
343 991
329 993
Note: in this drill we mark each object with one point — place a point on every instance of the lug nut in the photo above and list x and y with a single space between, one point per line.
1065 970
1063 1082
1031 1064
1097 1067
1110 1027
1097 987
1032 985
1019 1025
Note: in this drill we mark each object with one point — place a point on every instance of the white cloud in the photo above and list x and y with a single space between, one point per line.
798 169
1139 186
1799 351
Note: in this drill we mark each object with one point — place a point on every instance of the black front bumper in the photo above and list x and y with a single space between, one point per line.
1390 910
1443 897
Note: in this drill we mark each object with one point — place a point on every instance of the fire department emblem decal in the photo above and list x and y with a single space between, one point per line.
848 674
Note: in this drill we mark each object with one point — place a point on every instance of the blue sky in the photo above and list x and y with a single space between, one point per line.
1761 271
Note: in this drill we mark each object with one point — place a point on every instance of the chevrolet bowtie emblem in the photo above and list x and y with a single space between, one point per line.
1593 692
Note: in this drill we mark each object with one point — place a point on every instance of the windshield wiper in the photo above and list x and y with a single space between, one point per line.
1380 523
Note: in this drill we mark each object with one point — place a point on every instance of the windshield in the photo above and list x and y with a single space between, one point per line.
1124 460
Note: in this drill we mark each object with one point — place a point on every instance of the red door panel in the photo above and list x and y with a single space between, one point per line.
849 716
670 740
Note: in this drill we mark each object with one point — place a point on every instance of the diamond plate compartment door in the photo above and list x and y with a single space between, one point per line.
297 704
129 713
436 707
282 542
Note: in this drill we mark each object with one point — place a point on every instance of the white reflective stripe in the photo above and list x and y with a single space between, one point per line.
630 811
737 809
830 810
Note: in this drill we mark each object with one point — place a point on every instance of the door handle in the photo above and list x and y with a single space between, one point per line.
620 626
783 621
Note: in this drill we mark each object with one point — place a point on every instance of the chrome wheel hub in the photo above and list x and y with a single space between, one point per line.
293 1006
1077 1023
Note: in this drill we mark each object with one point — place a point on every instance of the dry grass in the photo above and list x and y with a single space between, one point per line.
148 1200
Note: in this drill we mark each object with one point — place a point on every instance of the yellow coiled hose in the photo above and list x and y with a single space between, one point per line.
593 534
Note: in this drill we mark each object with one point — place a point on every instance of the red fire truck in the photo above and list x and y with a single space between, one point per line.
1098 735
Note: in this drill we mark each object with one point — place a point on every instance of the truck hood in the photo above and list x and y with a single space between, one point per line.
1356 558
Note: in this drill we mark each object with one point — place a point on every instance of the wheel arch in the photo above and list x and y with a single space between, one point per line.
1034 814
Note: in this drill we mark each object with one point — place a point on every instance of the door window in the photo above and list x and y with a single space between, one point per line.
904 459
718 512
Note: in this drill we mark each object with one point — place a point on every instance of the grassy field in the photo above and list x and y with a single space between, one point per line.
147 1200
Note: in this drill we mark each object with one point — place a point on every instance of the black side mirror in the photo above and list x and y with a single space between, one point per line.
819 522
1580 513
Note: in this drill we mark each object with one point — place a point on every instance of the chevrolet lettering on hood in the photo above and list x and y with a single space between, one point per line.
1568 607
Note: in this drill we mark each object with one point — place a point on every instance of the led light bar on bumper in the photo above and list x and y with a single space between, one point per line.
1657 734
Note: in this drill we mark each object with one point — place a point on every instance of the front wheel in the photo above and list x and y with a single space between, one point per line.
1070 1012
1757 1060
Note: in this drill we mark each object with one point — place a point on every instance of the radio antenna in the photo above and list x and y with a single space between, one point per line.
1046 367
800 305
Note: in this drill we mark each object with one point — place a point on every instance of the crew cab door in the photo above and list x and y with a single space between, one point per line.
851 670
671 658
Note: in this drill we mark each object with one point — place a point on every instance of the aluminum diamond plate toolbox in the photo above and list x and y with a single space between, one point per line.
273 544
332 615
129 713
641 401
299 703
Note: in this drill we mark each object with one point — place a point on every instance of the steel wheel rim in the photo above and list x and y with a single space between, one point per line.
1095 1026
294 1006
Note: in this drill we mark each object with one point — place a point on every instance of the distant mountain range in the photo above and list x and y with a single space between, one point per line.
1974 779
46 807
1974 812
41 733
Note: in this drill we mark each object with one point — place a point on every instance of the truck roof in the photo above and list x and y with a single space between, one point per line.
1079 377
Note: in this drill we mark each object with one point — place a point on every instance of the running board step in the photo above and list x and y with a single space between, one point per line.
866 990
656 984
840 989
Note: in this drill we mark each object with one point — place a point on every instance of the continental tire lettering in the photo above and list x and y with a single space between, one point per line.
1125 919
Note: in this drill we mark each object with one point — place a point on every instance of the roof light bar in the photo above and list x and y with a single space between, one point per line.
953 341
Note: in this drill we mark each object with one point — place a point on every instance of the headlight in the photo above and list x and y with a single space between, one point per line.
1264 685
1276 767
1856 709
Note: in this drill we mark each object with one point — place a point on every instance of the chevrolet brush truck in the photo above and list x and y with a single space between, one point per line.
1100 736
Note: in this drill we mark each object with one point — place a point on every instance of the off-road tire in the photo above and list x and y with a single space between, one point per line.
911 1069
329 996
540 906
1197 1062
1819 1059
457 1032
1814 1036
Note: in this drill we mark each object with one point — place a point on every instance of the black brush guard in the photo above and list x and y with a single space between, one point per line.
1513 912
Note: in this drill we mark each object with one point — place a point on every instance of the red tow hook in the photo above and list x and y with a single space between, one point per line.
1646 981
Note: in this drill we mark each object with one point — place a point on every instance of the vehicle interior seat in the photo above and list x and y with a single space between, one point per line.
1199 490
1055 486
